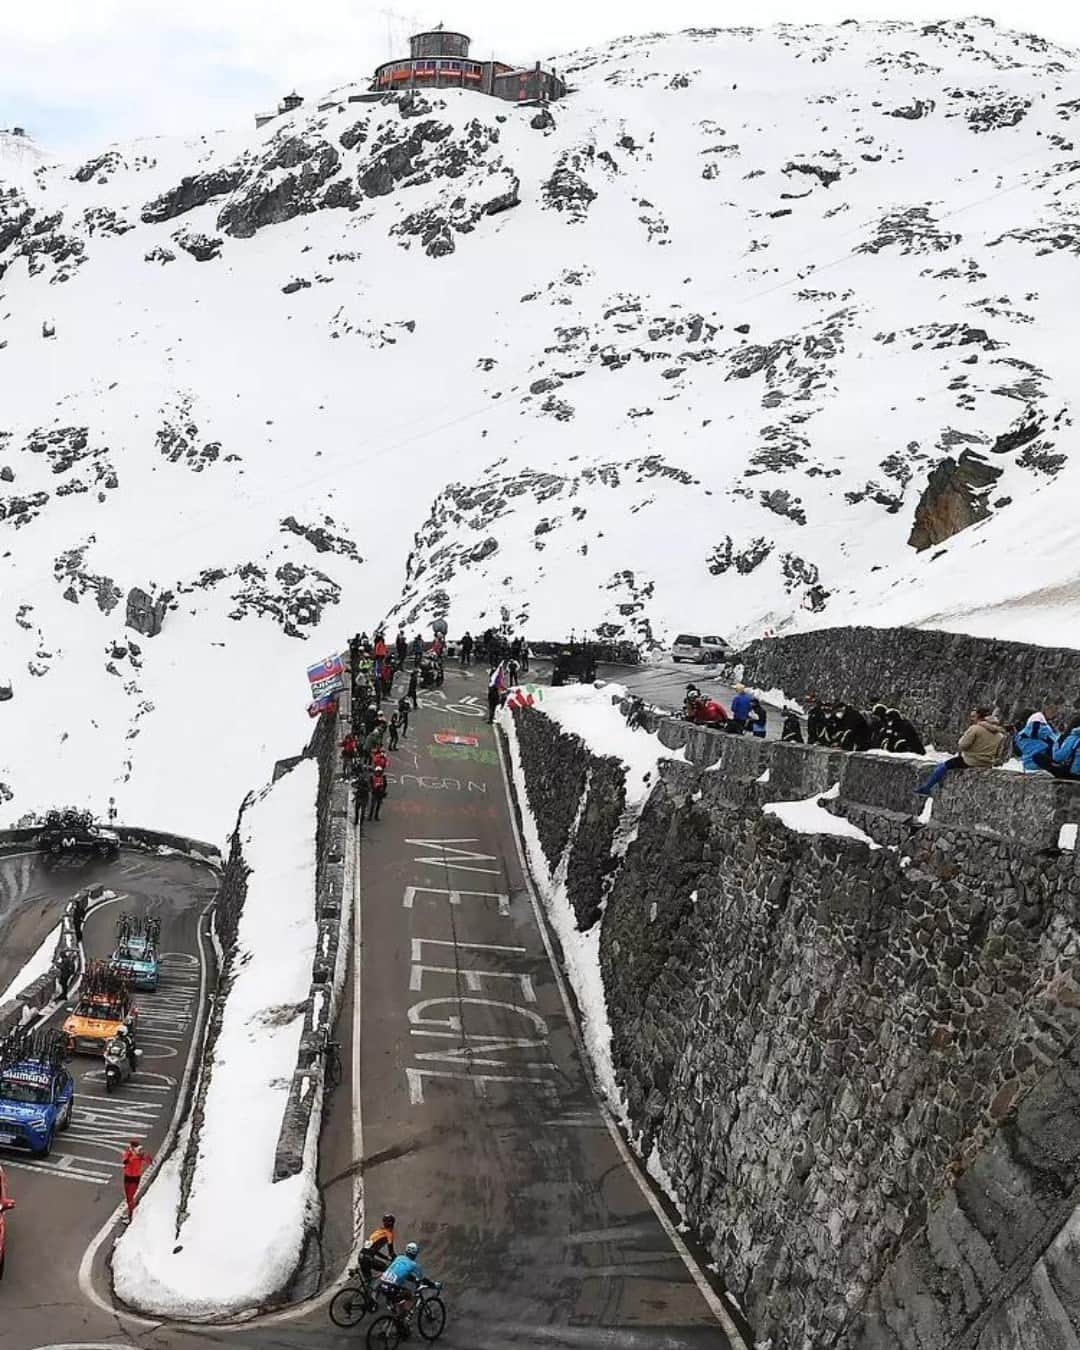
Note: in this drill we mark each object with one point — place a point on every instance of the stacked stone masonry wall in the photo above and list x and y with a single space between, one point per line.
860 1065
935 678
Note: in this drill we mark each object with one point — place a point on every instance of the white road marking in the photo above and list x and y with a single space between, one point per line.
411 892
479 1082
472 978
712 1299
452 856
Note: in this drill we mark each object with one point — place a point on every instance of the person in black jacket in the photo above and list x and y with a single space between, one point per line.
897 734
792 728
817 716
847 728
414 676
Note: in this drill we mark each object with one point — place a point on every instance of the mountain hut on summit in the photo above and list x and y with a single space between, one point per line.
440 60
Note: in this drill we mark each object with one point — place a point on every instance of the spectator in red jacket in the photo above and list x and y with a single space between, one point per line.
136 1161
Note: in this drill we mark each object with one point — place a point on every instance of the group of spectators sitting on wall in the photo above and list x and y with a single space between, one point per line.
1032 737
988 742
841 726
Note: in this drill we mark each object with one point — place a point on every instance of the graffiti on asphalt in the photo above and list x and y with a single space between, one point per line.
466 752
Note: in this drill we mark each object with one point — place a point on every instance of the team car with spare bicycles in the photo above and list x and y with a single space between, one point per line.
37 1094
71 831
702 650
6 1204
136 950
104 1007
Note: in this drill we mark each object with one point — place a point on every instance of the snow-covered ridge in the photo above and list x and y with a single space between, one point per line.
684 351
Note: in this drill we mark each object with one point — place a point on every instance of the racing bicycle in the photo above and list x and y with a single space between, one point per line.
352 1304
429 1312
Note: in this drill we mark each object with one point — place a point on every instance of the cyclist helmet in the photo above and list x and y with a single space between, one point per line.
413 1250
388 1220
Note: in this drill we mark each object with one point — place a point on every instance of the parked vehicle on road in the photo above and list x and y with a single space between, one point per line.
37 1094
704 650
104 1007
136 950
71 831
6 1205
574 663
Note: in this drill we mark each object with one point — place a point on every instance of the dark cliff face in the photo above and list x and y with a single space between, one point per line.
856 1064
955 497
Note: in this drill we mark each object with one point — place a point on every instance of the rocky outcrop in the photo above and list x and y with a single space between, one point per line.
955 497
202 247
144 614
286 185
191 192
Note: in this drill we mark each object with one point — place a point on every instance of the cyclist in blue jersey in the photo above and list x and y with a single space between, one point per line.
402 1278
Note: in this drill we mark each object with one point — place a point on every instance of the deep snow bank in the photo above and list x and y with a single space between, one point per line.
241 1237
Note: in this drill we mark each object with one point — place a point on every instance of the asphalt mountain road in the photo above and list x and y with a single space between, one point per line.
64 1200
481 1129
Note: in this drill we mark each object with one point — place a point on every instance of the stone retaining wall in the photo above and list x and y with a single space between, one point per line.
858 1065
935 678
302 1119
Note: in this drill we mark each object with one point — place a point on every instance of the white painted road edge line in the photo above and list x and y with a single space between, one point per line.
714 1302
86 1265
352 875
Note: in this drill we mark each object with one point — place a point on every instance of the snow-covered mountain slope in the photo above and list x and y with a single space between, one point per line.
685 351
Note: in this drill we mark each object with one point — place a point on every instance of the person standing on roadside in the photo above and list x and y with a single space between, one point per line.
361 794
403 714
414 676
66 967
136 1161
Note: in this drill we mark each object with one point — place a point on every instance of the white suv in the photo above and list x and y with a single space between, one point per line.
688 647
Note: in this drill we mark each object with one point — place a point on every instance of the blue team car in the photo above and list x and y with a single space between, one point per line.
136 950
37 1094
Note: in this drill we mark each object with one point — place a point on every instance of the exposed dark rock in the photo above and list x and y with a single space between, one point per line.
392 160
102 167
355 135
193 191
542 121
826 177
955 497
145 614
286 185
323 538
202 247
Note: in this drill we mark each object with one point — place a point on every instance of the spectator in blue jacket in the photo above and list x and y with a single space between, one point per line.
740 709
1067 751
1036 740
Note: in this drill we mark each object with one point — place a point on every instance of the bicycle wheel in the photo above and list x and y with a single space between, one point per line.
431 1318
384 1333
348 1307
